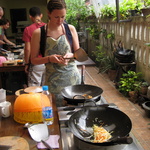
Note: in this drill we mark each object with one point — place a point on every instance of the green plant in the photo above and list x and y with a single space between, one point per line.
107 11
105 55
93 30
126 6
130 81
145 84
105 60
76 11
133 4
147 3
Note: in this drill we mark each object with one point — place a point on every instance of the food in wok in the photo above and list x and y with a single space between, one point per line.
100 134
117 123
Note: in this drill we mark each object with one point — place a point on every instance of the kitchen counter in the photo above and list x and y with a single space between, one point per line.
12 68
9 127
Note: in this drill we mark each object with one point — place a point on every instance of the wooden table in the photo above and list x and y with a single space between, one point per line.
11 68
9 127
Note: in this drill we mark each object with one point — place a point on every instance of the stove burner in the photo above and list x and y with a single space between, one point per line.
70 113
70 142
69 108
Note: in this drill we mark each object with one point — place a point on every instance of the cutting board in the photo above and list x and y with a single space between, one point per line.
17 143
9 63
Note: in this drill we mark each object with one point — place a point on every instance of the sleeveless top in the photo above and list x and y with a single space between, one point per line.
59 76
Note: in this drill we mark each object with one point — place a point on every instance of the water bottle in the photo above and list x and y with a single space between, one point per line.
47 111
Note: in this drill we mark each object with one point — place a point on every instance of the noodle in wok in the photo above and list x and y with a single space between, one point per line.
100 134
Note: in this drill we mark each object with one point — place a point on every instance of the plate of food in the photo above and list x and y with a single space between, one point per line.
20 61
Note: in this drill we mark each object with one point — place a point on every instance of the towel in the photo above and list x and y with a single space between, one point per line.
52 141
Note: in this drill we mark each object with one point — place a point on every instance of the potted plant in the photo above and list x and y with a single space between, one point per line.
77 13
134 6
144 88
106 62
146 9
107 11
130 84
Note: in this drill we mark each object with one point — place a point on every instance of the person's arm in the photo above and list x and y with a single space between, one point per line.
27 52
7 41
74 37
2 42
35 49
27 55
75 41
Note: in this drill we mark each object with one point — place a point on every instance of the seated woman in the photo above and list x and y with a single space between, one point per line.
4 24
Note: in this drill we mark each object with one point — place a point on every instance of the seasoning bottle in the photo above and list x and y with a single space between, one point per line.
47 111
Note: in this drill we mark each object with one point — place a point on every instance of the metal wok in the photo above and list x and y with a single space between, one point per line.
75 94
111 119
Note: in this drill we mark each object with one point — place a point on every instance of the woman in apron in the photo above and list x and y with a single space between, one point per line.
60 72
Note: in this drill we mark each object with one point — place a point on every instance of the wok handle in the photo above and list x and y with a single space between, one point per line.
82 74
123 140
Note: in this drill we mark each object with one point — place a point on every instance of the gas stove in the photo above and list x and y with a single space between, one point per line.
70 142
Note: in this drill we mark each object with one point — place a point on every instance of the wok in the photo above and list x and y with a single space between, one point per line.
111 119
75 93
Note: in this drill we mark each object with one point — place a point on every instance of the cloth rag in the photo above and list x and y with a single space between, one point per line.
52 141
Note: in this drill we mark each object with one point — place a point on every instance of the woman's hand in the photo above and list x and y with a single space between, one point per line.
67 57
57 59
61 59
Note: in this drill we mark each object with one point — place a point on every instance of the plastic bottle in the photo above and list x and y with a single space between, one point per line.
47 111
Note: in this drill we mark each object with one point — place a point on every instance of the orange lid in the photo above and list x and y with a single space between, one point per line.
31 102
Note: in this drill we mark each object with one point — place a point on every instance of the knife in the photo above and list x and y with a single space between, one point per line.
47 145
5 147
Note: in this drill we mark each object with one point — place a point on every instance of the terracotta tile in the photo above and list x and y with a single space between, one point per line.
112 95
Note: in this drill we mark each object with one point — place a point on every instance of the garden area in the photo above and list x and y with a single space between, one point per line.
117 41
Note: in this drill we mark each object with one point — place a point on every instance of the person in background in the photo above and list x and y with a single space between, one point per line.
60 72
4 25
1 15
1 12
35 72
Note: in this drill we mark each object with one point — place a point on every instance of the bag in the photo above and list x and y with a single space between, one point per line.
43 38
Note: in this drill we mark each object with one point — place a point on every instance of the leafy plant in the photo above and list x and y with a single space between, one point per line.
126 6
145 84
93 30
107 11
76 11
105 56
105 60
130 81
133 4
147 3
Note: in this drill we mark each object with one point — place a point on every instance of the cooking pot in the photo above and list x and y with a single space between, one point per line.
80 93
125 55
111 119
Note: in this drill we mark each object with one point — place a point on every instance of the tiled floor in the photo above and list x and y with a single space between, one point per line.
140 127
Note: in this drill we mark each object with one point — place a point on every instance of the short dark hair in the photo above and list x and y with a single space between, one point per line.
56 4
34 11
4 21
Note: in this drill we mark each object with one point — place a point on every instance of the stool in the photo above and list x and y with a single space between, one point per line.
124 68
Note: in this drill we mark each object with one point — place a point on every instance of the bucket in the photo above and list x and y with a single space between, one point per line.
146 106
148 92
